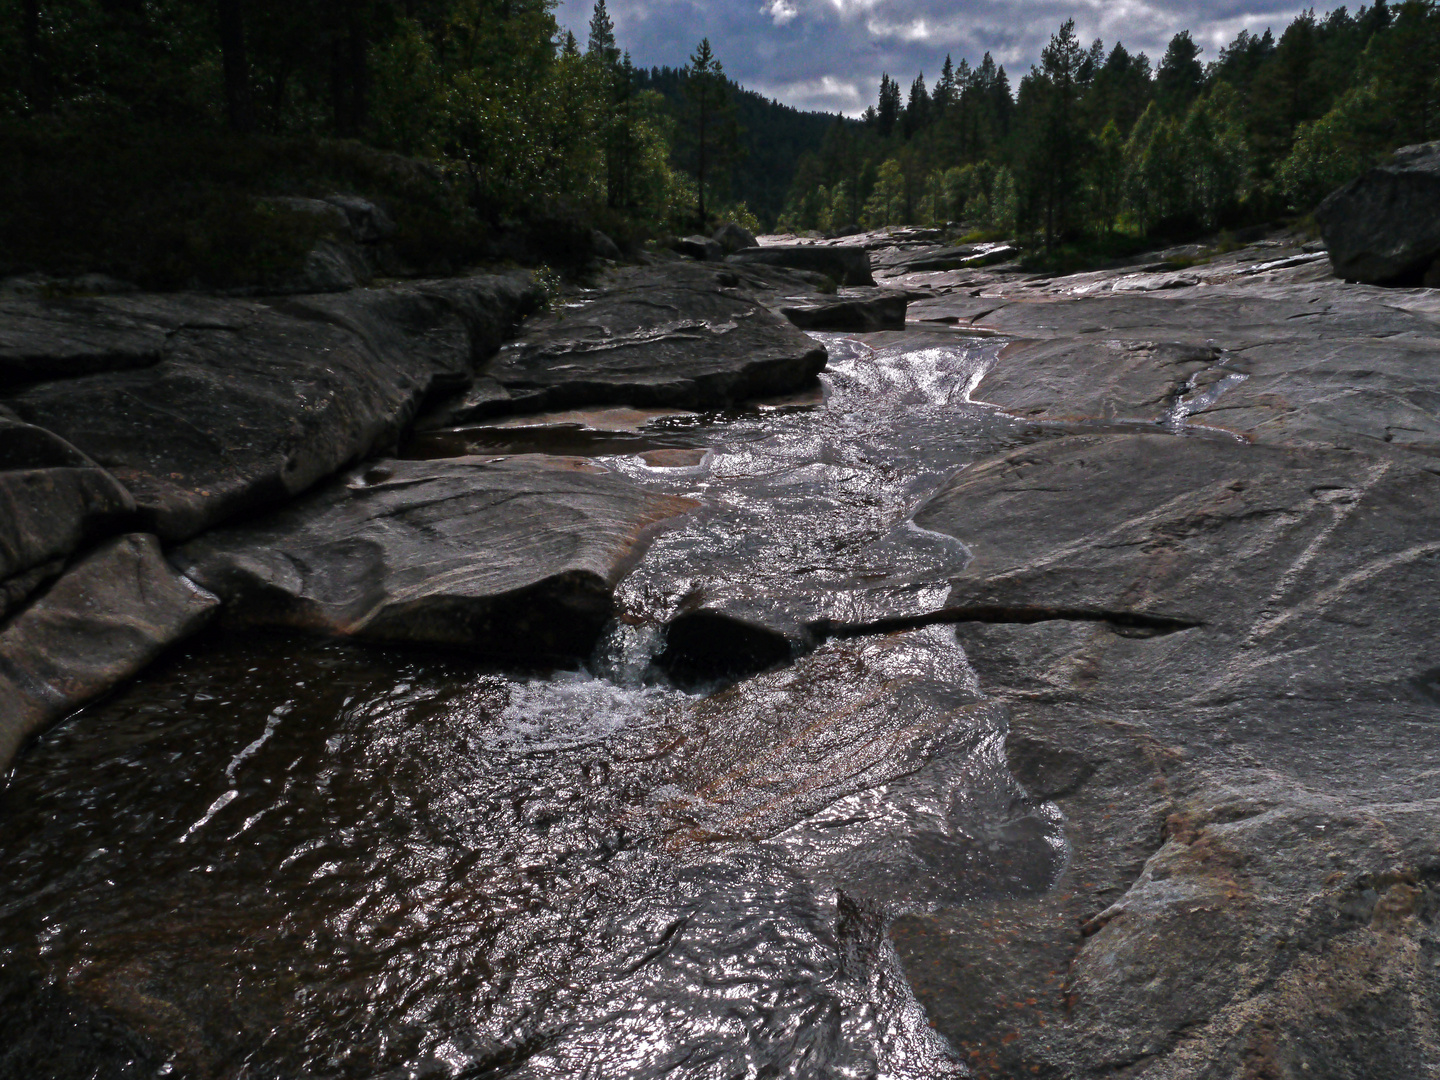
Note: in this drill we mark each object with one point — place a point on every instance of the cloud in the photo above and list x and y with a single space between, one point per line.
825 94
828 54
780 11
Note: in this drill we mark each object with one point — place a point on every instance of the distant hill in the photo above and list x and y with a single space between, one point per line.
775 136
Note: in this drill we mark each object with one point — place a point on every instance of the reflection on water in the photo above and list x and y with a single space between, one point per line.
277 857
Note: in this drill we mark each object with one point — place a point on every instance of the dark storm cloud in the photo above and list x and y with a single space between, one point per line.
828 54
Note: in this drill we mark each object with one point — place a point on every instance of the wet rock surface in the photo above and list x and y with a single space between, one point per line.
857 310
845 265
508 557
1060 674
251 401
104 620
682 336
53 499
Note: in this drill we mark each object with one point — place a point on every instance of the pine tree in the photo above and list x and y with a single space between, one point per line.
602 36
711 128
945 91
1055 140
888 112
917 108
1179 78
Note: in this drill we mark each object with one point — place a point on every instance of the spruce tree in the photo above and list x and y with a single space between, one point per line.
888 112
711 127
602 45
917 108
1179 78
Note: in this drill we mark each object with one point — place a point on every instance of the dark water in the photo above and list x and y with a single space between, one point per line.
281 857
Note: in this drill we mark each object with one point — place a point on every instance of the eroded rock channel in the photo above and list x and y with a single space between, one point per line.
1049 688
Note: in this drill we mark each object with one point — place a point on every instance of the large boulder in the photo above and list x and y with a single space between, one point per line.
679 336
104 620
844 265
1384 227
700 247
733 237
251 402
508 557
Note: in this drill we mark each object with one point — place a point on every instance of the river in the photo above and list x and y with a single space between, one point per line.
280 856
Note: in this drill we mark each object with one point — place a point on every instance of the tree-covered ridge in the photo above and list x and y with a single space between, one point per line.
1095 142
771 140
150 138
482 86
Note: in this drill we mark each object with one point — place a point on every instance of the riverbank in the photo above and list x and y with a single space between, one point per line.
1168 810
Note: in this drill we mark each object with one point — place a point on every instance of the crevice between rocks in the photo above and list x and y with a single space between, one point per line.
705 648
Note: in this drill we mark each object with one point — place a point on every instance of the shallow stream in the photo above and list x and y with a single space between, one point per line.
282 857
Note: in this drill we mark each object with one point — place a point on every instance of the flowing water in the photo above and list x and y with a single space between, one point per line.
282 857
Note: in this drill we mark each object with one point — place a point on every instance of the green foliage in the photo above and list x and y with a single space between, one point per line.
1334 149
1096 153
115 103
550 285
775 140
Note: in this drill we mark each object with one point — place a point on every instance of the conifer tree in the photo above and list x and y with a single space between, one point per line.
1179 78
711 126
917 108
602 45
887 114
945 92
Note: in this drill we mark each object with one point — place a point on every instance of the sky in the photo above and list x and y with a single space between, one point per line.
828 54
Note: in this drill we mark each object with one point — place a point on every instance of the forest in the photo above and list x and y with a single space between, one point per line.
1097 148
147 138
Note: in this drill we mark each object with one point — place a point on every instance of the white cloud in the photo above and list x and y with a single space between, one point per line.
828 54
780 11
914 30
825 94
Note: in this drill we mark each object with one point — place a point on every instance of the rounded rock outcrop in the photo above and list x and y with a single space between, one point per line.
1383 228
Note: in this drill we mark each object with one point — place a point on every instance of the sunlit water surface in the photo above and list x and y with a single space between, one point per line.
283 857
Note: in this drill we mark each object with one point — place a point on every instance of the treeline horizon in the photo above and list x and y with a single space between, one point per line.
1095 146
165 141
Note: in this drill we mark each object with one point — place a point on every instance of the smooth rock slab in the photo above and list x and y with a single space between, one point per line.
99 624
510 557
1219 660
1262 546
1322 364
63 339
53 499
843 265
252 403
858 313
681 336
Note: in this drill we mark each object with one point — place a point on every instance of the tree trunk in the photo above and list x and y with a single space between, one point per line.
238 106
